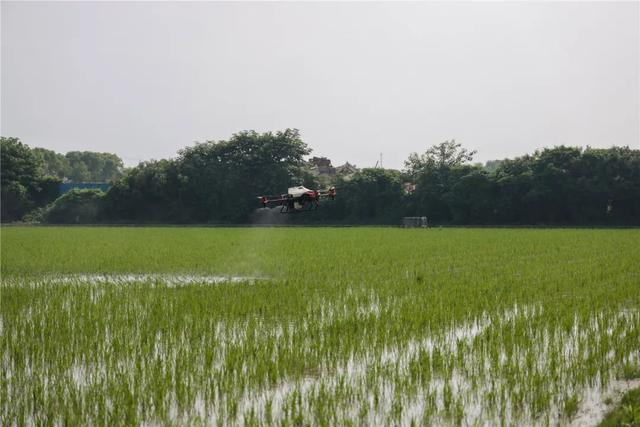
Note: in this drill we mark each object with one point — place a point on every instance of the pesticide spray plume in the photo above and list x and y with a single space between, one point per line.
268 216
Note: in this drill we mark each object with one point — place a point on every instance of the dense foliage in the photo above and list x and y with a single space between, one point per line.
554 186
211 181
218 181
24 186
81 166
31 178
75 207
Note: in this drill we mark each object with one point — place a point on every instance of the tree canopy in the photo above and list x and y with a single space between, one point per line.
31 176
23 185
81 166
446 155
219 181
212 181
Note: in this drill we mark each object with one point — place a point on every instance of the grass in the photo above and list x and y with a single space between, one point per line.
628 412
342 326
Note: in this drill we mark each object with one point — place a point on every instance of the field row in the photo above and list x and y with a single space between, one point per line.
316 326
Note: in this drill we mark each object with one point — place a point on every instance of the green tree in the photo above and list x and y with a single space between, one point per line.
47 190
20 173
514 179
373 196
79 172
443 156
492 165
435 173
569 185
222 178
610 184
76 207
471 198
150 191
53 164
95 167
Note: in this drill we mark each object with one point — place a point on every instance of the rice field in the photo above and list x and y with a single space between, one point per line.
315 326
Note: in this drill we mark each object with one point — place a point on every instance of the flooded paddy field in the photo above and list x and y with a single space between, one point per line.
317 326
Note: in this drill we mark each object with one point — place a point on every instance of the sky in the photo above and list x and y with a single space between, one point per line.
144 79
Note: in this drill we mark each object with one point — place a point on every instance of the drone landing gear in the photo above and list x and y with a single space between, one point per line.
303 205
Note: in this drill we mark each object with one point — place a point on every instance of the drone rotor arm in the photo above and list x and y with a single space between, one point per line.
268 200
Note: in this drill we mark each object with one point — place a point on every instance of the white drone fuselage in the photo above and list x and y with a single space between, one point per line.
298 191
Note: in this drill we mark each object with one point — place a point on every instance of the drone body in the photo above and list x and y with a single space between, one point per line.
298 199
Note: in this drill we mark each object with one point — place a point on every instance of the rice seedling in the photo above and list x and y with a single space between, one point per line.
314 326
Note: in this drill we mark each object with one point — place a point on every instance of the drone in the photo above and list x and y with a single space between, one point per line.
298 199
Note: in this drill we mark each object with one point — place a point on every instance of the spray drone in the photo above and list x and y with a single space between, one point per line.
298 199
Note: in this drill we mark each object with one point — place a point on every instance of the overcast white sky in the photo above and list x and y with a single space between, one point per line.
145 79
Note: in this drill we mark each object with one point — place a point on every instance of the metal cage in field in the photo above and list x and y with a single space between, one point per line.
415 222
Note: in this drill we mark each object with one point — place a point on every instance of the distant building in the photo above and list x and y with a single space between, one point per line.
346 169
323 166
68 186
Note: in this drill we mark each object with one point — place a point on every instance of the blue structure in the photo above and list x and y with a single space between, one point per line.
68 186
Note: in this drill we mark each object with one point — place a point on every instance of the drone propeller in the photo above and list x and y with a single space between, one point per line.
329 192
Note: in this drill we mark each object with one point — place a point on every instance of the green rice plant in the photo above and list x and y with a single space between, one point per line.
630 371
313 326
570 405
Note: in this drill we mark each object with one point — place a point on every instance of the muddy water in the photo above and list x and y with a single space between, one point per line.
355 374
124 279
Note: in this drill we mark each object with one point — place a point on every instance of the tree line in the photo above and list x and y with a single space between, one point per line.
80 166
219 181
31 177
